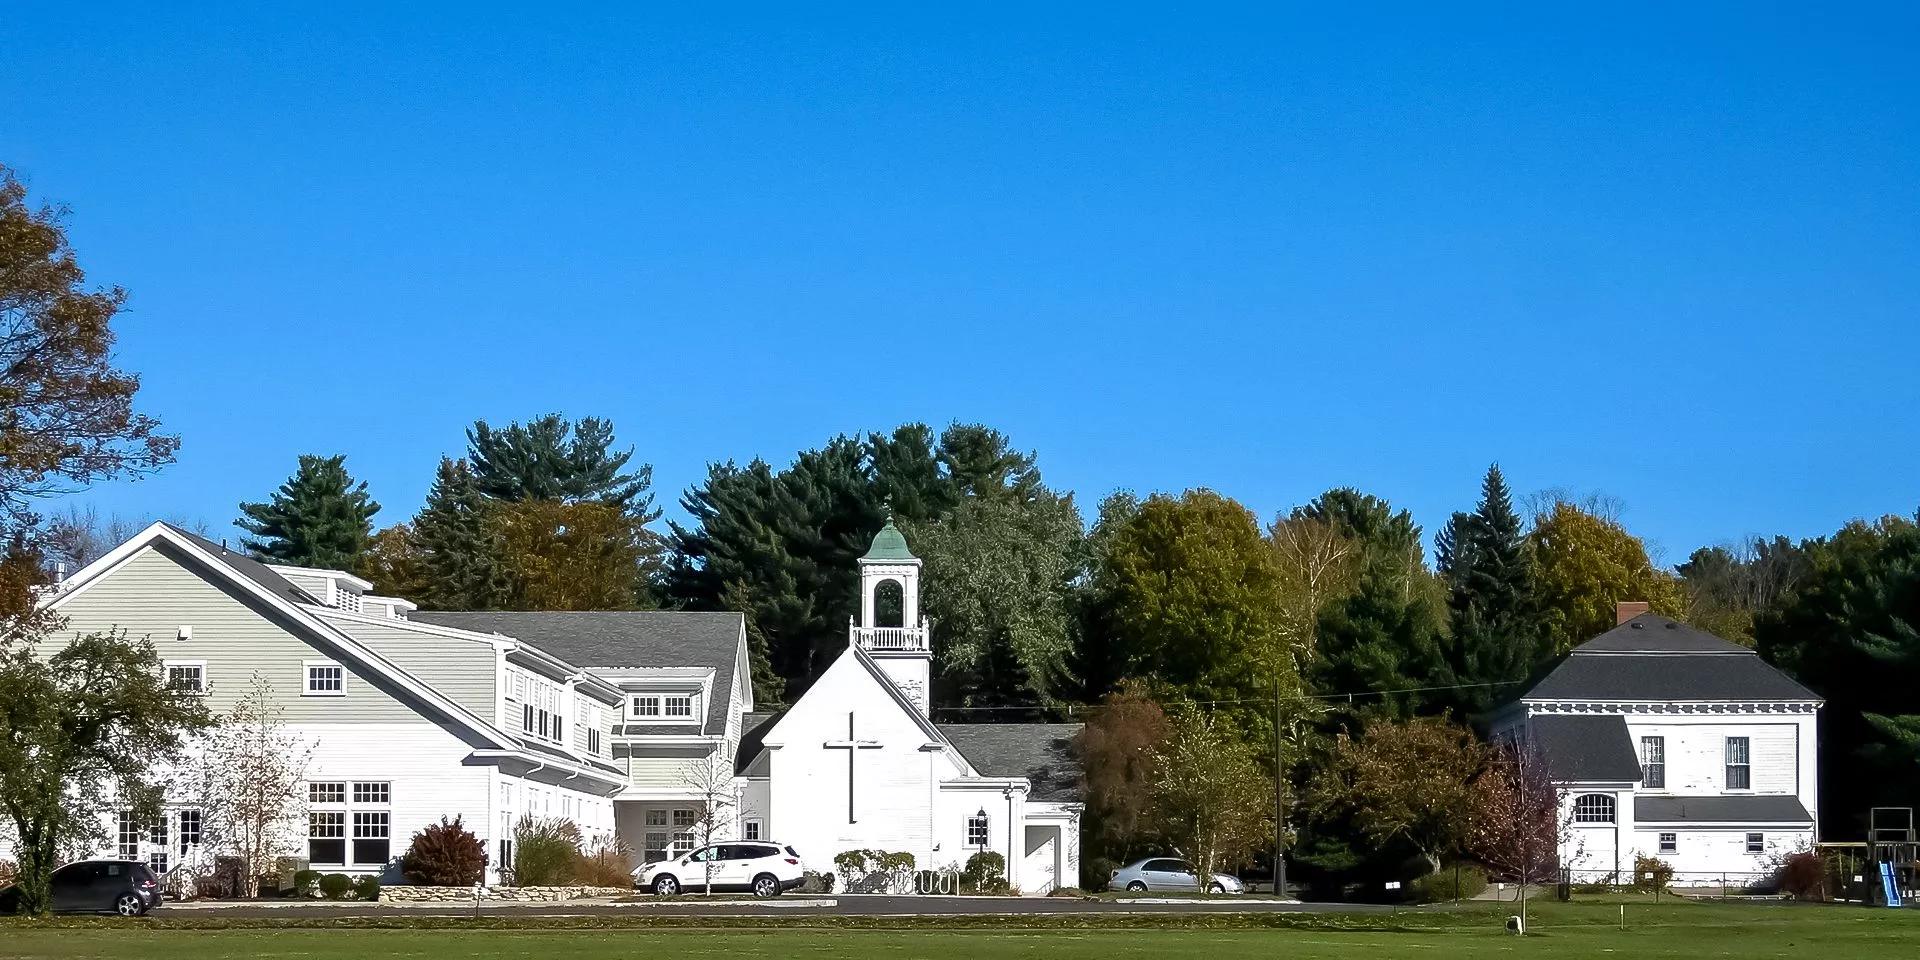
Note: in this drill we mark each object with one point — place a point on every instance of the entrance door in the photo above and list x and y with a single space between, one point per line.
1039 871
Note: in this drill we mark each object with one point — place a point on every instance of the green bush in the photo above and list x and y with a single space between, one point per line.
1096 872
445 854
306 883
335 886
1651 874
545 851
986 872
1804 876
815 882
366 888
1462 882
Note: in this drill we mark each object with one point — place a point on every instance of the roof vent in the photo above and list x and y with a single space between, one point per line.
1672 626
1636 626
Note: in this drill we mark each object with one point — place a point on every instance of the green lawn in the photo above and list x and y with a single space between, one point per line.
1563 930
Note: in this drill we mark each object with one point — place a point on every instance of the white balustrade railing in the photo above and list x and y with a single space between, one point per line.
890 638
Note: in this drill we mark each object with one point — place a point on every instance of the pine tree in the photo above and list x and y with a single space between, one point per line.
551 459
1497 640
456 552
318 518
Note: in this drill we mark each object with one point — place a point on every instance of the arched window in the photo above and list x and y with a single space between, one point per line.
889 604
1593 808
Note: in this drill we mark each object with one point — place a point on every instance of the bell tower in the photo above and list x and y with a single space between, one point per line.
901 649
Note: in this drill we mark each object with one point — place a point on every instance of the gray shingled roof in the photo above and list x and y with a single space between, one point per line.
753 735
1652 658
622 638
1720 809
1041 752
1586 749
250 568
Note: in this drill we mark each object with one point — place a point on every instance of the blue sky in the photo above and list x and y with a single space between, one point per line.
1664 255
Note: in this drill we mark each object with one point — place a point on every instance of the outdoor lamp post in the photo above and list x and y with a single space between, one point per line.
980 879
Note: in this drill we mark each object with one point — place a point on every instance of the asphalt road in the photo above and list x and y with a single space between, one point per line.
785 906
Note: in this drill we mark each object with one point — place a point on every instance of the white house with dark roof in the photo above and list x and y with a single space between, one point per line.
1669 742
405 721
857 763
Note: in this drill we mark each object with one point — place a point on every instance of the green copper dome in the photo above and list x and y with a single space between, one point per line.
888 544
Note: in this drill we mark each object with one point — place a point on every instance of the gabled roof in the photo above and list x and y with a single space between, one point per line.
1737 808
1040 752
621 638
1585 749
260 573
750 760
1651 658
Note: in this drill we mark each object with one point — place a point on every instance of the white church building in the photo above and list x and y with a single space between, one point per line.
1668 742
638 726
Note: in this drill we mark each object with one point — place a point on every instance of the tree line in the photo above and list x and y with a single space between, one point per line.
1291 634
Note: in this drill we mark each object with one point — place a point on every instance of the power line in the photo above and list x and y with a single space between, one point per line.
1330 697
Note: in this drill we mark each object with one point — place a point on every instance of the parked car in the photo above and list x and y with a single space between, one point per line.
125 887
1169 873
760 867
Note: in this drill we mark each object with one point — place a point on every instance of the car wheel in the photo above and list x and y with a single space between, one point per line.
666 886
1136 887
128 905
1217 888
766 886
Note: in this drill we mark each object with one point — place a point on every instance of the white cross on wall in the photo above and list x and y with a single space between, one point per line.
852 746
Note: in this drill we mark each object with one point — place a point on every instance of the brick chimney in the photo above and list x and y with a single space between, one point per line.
1628 609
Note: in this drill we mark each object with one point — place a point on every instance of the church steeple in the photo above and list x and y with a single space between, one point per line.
902 649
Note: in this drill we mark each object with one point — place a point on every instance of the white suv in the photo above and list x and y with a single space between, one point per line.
764 868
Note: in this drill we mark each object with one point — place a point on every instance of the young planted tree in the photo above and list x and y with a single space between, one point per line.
319 518
83 728
68 412
1406 781
711 779
250 782
1212 797
1517 826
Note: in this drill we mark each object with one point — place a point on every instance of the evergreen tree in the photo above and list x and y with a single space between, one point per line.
319 518
457 554
1488 571
551 459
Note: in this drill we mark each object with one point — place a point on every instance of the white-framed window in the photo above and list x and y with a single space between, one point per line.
645 706
751 829
379 792
324 678
656 818
187 675
189 832
976 831
658 845
594 744
1756 843
1593 808
1653 763
371 844
327 837
679 705
127 836
685 818
327 791
684 822
1669 843
1739 763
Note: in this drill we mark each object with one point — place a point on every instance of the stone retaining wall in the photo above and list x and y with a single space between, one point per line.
412 894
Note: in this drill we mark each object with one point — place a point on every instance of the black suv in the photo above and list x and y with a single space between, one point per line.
125 887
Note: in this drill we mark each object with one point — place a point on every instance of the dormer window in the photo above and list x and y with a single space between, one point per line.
679 706
644 707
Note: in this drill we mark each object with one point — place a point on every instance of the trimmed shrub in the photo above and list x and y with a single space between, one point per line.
815 882
873 871
606 863
1459 882
1651 873
986 872
306 883
1097 872
445 854
1803 876
366 888
335 886
544 851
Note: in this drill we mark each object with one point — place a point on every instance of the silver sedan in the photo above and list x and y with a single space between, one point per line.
1169 873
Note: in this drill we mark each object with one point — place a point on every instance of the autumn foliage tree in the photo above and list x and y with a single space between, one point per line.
1587 563
1516 825
66 412
1119 750
1408 781
1212 797
445 854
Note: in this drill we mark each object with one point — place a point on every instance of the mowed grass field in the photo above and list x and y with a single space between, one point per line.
1744 931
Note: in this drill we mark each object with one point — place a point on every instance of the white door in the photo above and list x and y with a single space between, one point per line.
1038 871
